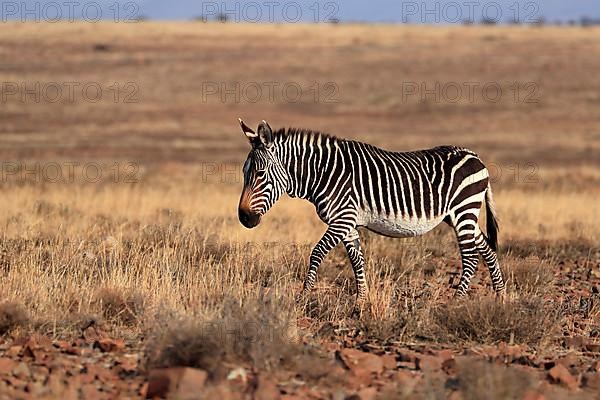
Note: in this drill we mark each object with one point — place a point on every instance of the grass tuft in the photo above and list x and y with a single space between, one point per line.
12 315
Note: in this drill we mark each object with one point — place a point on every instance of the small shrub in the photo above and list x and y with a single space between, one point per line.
524 320
12 315
260 334
118 305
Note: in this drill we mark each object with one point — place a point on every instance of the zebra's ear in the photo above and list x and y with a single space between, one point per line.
250 134
265 133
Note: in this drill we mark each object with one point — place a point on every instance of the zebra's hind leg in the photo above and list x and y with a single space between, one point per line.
466 229
470 257
355 254
491 260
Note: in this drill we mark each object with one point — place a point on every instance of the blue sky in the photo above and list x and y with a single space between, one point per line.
419 11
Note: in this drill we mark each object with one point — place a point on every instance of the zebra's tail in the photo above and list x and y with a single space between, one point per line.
491 219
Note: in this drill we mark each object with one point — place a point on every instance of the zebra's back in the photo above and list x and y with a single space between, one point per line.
409 193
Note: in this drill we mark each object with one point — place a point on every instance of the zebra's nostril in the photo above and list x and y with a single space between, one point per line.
248 219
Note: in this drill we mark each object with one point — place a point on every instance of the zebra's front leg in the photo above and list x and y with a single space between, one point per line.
333 236
352 244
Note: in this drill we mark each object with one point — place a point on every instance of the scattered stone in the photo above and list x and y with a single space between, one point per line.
266 389
368 393
429 363
7 365
560 374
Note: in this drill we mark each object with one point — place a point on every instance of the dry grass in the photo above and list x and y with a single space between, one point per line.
526 320
130 254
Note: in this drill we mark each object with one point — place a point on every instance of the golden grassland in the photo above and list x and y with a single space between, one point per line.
151 260
161 244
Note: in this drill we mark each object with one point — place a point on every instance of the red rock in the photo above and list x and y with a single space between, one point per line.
107 345
7 365
389 361
406 380
90 392
592 347
533 395
592 381
429 363
191 384
455 395
183 381
560 374
449 366
128 365
22 371
266 389
13 351
355 359
369 393
61 344
445 354
568 360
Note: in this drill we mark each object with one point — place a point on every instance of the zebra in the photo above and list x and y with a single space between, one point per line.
354 184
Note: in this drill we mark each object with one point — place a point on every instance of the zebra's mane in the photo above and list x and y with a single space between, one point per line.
285 133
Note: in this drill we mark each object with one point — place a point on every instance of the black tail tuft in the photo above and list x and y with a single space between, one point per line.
491 220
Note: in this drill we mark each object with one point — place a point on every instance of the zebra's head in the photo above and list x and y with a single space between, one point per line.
265 178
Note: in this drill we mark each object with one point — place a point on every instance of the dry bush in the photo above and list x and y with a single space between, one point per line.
528 320
119 306
12 315
260 334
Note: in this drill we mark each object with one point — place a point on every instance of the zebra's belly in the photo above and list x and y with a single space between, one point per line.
402 227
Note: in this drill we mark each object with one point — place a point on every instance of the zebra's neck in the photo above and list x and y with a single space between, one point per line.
305 155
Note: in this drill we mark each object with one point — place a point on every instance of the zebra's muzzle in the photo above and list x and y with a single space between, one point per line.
248 218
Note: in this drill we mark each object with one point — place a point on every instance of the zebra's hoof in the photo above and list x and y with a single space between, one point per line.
302 297
501 296
360 307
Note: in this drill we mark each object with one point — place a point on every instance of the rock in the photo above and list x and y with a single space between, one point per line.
429 363
266 389
592 381
560 374
389 361
533 395
369 393
356 359
191 384
592 347
406 380
13 351
238 374
22 371
107 345
182 381
568 360
7 365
